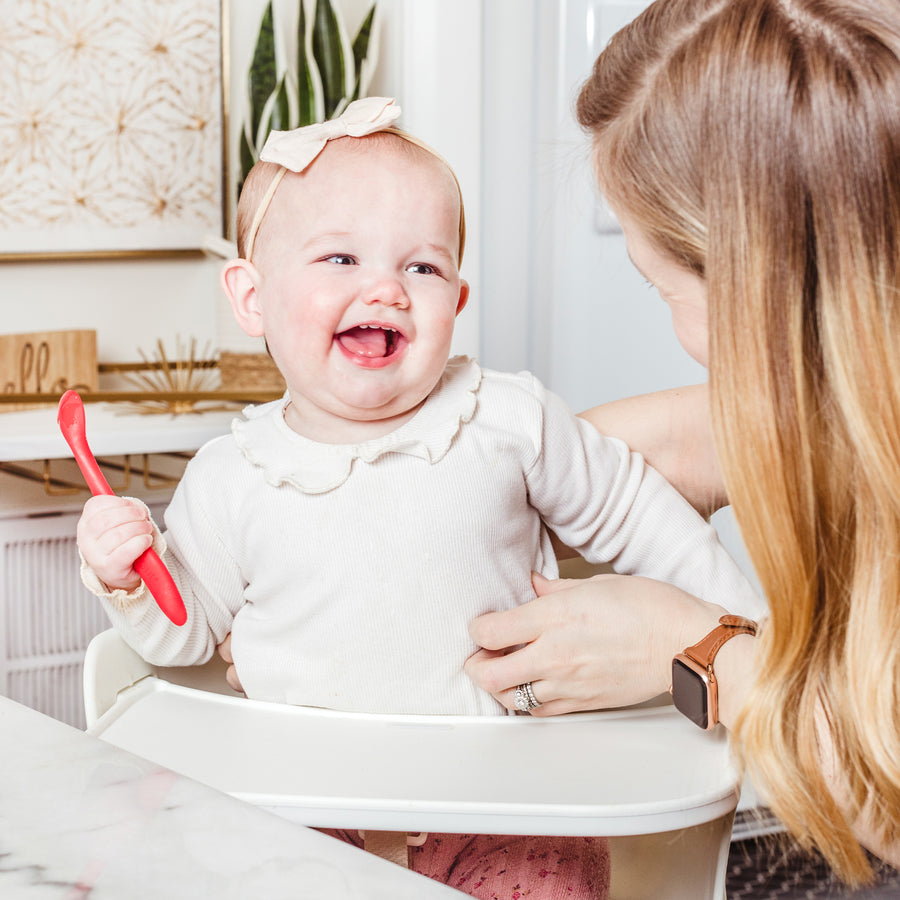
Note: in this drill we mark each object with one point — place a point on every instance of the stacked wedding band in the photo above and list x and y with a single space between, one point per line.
525 699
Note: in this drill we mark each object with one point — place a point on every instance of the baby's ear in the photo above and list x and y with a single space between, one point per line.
463 296
240 281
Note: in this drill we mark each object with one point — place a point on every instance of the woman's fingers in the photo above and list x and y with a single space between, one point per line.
513 627
499 673
499 630
554 695
510 653
544 586
586 644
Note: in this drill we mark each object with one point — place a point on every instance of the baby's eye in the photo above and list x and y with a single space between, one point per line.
421 269
340 259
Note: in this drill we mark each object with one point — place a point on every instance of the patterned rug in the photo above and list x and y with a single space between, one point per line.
771 868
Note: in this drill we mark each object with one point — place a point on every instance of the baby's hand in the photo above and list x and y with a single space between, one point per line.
112 533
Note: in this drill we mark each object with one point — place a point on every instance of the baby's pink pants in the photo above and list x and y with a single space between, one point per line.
509 867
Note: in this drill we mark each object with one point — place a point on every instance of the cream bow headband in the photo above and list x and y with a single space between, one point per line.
296 150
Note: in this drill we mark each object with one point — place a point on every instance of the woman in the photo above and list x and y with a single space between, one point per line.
751 149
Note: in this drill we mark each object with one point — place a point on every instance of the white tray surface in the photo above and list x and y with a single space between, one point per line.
621 772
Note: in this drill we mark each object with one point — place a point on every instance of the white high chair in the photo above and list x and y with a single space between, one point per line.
664 791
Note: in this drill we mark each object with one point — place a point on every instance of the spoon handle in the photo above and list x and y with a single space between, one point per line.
71 421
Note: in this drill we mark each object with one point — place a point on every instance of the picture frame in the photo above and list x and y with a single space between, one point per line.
112 129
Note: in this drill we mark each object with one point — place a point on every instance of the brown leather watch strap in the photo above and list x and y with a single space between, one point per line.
705 650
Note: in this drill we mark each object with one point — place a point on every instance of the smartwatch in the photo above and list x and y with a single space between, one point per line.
695 691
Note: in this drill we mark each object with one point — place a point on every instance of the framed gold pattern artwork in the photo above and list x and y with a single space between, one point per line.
111 123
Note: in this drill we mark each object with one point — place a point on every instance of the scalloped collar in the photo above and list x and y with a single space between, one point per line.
287 457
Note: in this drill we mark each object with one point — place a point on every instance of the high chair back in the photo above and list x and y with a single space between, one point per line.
662 790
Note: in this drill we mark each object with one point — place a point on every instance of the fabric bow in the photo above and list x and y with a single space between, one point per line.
296 149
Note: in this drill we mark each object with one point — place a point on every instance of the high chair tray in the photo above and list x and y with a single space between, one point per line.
622 772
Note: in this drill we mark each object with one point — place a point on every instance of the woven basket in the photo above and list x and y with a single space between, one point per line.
249 371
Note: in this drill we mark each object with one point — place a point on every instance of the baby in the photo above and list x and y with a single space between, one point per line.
348 533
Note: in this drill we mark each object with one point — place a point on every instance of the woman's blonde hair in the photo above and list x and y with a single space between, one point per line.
757 142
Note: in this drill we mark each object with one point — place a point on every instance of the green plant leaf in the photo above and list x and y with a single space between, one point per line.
329 72
276 114
330 51
363 36
247 159
361 50
262 78
280 117
310 99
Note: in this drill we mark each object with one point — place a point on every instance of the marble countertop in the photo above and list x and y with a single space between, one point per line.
82 819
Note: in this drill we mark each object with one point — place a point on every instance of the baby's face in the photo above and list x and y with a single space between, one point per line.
360 285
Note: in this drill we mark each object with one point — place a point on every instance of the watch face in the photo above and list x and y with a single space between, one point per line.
690 693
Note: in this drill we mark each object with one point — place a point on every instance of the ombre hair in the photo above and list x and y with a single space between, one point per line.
757 143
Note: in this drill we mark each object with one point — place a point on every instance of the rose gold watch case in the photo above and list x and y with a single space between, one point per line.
708 679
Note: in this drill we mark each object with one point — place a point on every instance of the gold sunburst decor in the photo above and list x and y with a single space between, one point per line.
185 383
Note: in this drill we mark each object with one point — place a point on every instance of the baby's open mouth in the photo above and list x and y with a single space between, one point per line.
372 341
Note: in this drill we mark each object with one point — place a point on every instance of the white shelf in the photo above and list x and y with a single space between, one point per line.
33 433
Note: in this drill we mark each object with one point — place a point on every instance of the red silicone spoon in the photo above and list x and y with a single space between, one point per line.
70 418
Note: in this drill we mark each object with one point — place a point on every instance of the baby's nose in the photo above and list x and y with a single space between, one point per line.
387 291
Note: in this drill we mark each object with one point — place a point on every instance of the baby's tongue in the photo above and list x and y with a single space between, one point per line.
365 341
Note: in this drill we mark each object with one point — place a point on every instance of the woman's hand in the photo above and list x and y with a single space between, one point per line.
588 644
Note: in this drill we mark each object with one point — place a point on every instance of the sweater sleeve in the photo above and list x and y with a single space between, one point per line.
205 572
604 501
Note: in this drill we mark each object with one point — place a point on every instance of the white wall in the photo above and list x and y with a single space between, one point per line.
130 303
561 297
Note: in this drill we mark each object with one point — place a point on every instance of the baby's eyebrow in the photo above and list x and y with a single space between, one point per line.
328 236
439 249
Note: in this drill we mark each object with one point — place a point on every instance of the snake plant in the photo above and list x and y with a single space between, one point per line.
326 73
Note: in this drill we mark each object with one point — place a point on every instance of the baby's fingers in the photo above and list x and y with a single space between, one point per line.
112 533
106 511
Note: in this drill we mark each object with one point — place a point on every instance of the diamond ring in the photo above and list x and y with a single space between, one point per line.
525 699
